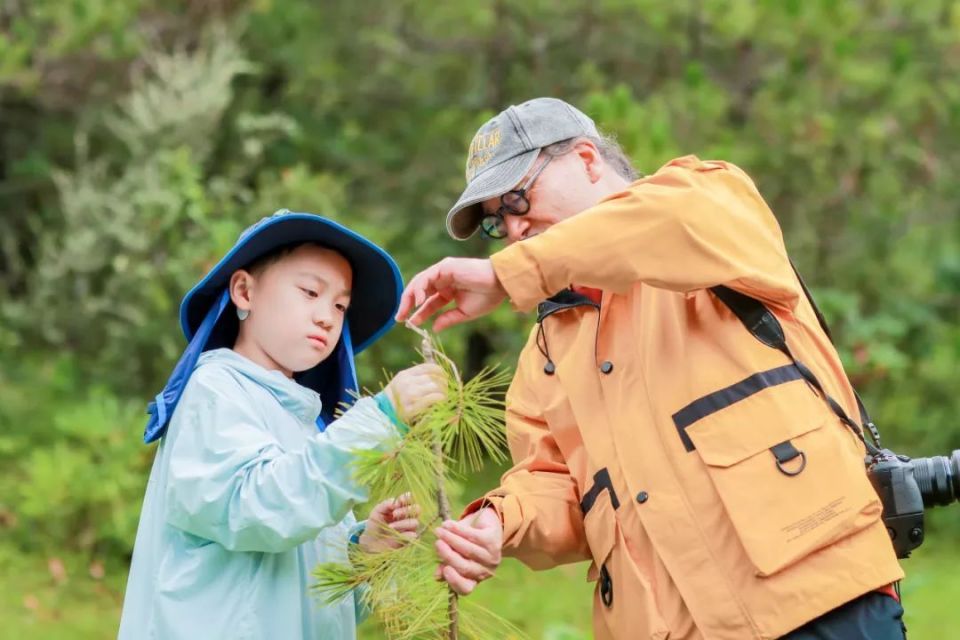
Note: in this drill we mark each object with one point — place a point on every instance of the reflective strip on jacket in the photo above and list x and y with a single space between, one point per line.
649 449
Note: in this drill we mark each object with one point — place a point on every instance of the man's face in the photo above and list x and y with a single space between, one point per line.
568 185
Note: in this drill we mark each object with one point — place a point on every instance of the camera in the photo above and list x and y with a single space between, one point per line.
906 486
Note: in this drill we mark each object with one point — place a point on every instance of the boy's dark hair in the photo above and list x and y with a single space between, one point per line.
259 265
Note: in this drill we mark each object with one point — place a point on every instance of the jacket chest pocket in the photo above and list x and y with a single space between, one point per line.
789 476
623 601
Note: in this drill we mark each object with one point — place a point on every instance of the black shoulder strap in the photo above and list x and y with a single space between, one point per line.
758 320
765 327
813 303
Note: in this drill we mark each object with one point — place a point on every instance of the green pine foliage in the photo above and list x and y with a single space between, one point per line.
399 585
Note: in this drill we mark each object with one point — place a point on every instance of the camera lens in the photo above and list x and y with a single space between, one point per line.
938 478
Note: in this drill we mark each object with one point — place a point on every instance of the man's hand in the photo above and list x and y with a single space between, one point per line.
469 550
471 283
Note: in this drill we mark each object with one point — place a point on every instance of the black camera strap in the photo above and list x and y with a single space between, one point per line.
765 327
864 416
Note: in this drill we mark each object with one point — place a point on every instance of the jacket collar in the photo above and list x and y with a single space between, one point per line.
299 400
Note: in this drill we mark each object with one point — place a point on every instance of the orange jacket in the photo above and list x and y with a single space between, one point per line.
652 447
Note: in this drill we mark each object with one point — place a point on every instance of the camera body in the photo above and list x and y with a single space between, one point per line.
906 486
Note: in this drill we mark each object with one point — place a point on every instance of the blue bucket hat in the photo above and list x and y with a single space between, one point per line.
373 305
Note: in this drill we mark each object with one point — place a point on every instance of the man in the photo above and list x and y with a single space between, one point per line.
716 491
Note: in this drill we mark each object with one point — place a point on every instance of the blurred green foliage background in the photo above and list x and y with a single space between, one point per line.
138 137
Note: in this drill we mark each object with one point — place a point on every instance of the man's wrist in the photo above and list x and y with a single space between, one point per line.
494 510
496 279
518 277
481 504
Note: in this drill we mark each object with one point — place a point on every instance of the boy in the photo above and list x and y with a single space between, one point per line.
251 486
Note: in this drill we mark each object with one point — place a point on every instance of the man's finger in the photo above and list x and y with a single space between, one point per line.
465 548
425 284
478 533
463 586
447 554
406 302
448 319
408 299
465 567
434 303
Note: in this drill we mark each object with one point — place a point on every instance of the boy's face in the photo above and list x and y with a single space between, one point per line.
297 307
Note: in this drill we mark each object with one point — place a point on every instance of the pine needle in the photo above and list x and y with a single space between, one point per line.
470 418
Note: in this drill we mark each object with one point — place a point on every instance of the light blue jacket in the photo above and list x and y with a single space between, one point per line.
244 498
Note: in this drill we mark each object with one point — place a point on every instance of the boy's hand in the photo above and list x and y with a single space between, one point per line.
391 524
414 390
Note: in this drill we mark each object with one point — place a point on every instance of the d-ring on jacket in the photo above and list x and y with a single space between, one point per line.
651 439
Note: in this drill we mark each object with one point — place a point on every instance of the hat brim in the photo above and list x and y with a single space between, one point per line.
377 281
463 219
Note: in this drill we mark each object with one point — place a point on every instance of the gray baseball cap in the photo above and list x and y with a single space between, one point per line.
505 148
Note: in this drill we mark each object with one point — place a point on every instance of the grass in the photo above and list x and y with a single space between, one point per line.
39 599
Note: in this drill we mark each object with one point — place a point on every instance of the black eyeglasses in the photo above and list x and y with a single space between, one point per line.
514 203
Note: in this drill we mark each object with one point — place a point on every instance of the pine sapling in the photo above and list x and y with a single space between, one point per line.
456 434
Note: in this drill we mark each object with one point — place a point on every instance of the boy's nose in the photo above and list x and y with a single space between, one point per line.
323 317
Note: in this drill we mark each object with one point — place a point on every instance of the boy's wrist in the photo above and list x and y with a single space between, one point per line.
356 531
387 408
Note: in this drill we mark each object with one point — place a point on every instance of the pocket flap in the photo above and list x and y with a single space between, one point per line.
600 527
756 423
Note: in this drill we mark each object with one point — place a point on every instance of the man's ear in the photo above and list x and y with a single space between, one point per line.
590 157
241 288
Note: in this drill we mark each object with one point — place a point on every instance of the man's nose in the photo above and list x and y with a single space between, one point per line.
517 227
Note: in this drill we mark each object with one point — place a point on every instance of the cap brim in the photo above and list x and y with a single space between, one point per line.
464 218
377 282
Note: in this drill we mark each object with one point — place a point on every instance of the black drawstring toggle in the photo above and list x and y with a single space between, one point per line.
566 299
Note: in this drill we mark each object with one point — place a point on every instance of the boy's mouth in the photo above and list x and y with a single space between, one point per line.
317 340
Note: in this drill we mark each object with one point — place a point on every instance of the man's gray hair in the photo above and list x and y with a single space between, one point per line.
610 150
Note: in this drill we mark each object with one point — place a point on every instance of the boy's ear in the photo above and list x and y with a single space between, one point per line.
241 285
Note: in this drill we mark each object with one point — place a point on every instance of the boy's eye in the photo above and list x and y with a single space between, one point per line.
342 308
310 293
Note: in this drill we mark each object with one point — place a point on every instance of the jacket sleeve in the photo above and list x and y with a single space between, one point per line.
692 225
537 500
231 482
361 610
